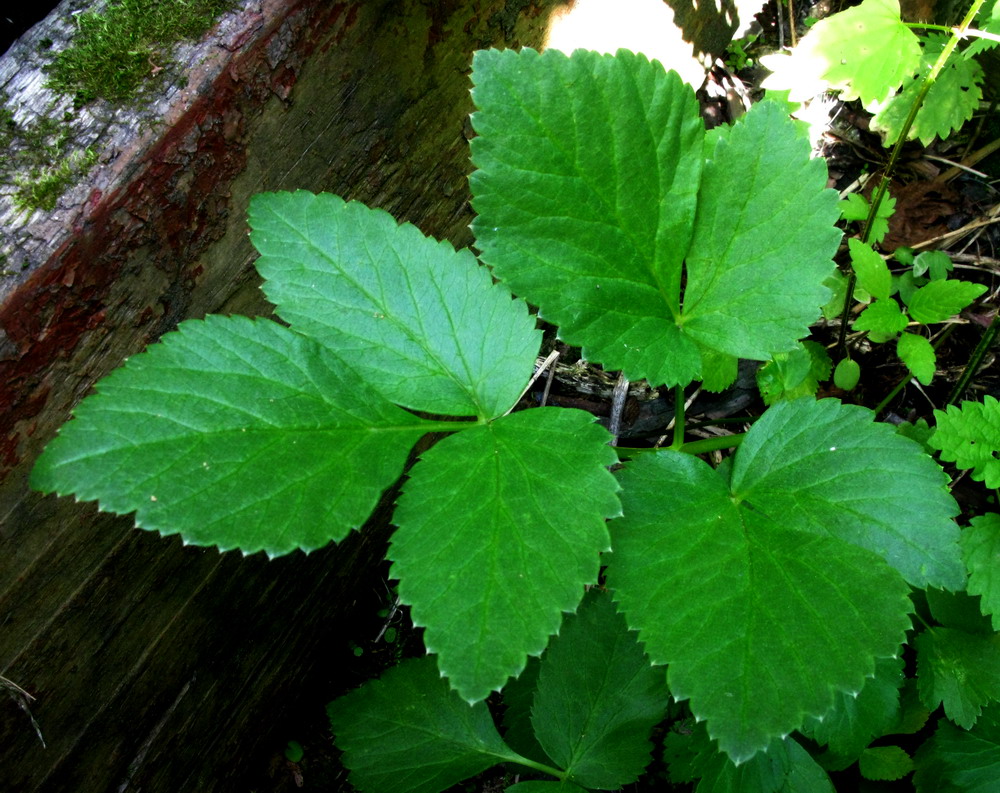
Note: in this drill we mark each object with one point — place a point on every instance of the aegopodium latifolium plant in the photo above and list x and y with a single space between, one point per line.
760 596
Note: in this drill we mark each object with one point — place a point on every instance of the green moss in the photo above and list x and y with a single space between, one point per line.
41 188
115 51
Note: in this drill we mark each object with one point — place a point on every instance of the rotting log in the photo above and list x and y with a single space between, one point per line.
156 666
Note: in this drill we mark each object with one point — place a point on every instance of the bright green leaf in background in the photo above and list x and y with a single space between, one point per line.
790 375
959 670
941 300
883 319
765 596
500 528
865 51
236 433
981 550
949 103
954 759
598 698
410 733
918 355
871 270
595 200
421 322
969 437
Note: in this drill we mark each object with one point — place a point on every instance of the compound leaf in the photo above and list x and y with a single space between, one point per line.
410 733
865 51
981 549
959 670
500 528
422 323
588 172
954 760
759 619
236 433
598 698
941 300
969 437
828 468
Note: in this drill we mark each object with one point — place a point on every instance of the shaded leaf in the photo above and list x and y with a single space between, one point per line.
500 528
236 433
518 695
422 323
598 698
409 733
885 763
981 550
959 670
960 761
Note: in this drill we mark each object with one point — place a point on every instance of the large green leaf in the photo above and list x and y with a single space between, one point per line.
500 528
768 594
959 670
588 171
235 433
598 698
981 549
422 323
826 468
587 191
410 733
961 761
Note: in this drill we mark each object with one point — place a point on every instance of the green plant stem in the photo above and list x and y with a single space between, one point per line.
975 361
678 418
514 757
713 444
957 34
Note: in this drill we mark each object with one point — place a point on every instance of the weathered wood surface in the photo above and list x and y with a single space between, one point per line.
155 666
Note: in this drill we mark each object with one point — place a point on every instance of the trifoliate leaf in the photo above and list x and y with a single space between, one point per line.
918 355
598 698
235 433
958 760
885 763
949 103
586 198
941 300
871 270
865 51
969 437
829 468
981 550
593 205
883 319
422 323
500 528
759 621
854 721
937 263
409 733
959 670
847 374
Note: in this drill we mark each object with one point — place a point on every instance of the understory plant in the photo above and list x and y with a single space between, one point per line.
765 603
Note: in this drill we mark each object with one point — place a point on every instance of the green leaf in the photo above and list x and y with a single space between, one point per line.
981 549
590 206
969 437
828 468
500 528
949 103
918 355
236 433
960 761
856 207
794 374
937 263
918 431
865 51
784 768
598 698
759 622
854 721
871 270
422 323
883 319
847 374
885 763
409 733
518 695
543 786
941 300
958 610
586 188
959 670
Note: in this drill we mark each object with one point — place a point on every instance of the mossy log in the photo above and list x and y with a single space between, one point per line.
156 666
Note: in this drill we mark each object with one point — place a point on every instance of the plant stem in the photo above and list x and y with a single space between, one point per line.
975 361
957 34
899 386
713 444
678 418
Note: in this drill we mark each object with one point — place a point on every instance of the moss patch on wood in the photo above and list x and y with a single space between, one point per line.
118 49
